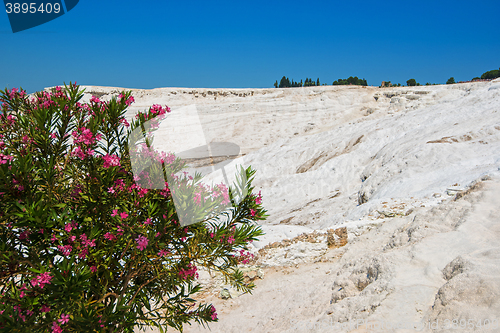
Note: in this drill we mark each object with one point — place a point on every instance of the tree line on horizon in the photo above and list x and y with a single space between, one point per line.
489 75
286 83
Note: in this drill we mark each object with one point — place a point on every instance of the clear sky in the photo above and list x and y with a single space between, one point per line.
250 44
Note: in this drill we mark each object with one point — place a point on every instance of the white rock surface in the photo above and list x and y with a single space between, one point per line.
387 163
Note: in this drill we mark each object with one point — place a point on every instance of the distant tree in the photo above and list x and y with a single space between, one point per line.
491 74
350 80
276 84
317 82
411 82
451 80
285 82
476 78
399 84
301 84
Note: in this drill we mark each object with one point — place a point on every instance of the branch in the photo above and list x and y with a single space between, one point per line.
107 295
140 288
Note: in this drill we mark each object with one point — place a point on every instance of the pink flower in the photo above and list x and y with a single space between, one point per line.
142 242
45 278
66 249
258 200
109 236
111 190
252 212
64 319
24 234
83 253
148 221
41 281
230 240
110 160
5 158
56 328
124 122
197 198
53 135
93 269
115 212
189 272
86 137
68 227
86 242
22 294
143 192
162 253
79 152
123 215
214 314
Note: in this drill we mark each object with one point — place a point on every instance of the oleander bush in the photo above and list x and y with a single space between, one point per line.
85 246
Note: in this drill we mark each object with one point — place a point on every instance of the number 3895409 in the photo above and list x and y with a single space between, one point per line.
24 8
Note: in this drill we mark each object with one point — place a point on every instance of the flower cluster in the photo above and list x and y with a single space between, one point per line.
110 160
156 111
190 271
128 101
245 257
214 313
41 280
85 136
258 199
142 242
221 190
63 320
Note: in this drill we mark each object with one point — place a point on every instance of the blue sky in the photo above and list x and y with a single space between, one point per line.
250 44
